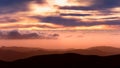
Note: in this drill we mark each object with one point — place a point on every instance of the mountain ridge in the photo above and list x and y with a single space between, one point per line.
66 60
15 53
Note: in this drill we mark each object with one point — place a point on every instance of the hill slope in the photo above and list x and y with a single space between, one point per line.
69 60
15 53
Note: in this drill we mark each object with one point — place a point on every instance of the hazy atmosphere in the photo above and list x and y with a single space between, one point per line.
61 39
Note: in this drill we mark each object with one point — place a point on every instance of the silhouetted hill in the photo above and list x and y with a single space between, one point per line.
68 60
15 53
3 64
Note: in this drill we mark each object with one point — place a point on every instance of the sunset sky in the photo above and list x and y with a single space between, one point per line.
54 22
59 14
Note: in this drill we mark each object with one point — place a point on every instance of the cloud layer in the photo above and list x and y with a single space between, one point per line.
17 35
59 15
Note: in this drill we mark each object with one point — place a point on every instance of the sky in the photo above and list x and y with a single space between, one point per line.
59 14
61 39
49 23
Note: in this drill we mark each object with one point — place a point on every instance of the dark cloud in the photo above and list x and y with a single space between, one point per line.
55 36
75 14
77 8
105 4
97 5
58 20
111 18
74 22
11 6
17 35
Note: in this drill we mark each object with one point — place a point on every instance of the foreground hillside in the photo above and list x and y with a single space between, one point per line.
68 60
15 53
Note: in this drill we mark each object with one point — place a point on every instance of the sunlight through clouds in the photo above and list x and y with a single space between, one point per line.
70 14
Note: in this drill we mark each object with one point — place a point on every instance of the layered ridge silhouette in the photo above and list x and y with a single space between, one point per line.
68 60
15 53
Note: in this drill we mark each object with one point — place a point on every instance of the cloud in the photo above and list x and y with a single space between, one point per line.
12 6
111 18
102 4
8 19
53 36
52 14
74 22
59 20
29 26
96 5
17 35
77 8
74 14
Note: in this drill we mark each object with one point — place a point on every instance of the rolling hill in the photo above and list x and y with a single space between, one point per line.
15 53
67 60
